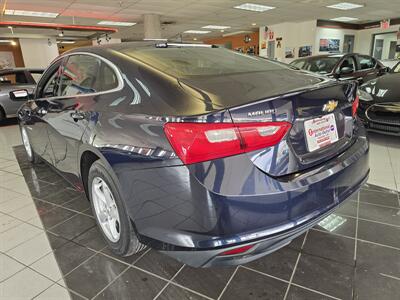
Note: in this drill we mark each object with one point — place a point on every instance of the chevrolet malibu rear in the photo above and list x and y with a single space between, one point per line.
219 158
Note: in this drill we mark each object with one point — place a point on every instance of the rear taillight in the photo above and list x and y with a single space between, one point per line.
197 142
235 251
354 107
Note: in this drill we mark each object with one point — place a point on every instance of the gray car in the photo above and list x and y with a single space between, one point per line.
14 79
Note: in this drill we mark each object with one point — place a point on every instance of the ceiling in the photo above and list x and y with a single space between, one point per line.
189 14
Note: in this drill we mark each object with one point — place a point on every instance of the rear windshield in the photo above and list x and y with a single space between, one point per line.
191 61
321 65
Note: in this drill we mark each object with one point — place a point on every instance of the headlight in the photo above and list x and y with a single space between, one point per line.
364 96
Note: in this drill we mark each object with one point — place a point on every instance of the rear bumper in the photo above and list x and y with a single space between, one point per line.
211 258
194 213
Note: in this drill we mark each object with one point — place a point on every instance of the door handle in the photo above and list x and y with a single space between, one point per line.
77 116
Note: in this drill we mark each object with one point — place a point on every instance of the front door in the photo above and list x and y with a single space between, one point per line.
46 90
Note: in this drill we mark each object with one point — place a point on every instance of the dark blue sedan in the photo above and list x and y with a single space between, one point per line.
208 155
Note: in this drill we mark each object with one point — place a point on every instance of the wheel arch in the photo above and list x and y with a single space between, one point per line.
87 156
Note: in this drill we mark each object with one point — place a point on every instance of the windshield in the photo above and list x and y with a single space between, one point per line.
192 61
321 65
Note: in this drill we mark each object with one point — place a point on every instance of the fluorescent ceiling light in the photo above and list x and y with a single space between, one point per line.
112 23
67 42
197 31
345 6
218 27
6 41
344 19
28 13
254 7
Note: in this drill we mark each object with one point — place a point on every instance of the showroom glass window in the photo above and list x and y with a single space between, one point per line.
365 62
86 74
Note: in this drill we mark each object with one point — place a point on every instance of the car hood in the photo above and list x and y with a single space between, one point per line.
235 89
385 88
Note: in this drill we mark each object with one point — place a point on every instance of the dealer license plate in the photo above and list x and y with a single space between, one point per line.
321 132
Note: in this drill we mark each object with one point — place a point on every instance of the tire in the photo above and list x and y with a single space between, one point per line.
2 115
120 235
32 156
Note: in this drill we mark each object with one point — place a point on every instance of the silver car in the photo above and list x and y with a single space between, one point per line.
14 79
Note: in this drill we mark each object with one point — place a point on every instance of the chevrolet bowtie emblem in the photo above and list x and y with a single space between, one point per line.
330 106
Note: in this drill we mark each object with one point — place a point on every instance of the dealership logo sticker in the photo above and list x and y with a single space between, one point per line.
330 106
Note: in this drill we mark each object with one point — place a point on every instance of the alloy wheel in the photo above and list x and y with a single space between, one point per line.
106 209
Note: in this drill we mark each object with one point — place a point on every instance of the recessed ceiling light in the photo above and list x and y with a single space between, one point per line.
112 23
6 41
254 7
345 6
67 42
28 13
344 19
253 24
197 31
194 39
216 27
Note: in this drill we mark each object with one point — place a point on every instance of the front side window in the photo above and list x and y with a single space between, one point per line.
365 62
348 62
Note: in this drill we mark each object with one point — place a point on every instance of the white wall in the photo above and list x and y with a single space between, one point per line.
293 35
38 53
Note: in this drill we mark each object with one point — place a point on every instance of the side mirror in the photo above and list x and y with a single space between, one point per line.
20 95
346 71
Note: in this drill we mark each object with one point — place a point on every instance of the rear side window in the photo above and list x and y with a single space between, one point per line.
14 78
86 74
365 62
79 75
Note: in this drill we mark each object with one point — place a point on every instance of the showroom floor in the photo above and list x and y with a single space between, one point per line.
51 249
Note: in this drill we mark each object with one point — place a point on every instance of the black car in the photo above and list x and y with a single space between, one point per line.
206 154
380 103
350 66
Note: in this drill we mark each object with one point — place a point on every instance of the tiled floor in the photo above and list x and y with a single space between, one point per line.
51 249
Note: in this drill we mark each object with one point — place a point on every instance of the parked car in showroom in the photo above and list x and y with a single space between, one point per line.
390 63
11 79
380 103
351 66
210 156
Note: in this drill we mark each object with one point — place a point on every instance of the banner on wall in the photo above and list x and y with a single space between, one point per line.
289 52
329 45
305 51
